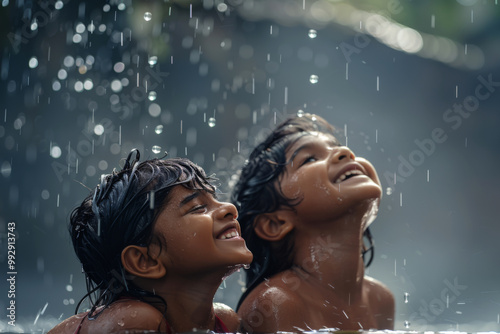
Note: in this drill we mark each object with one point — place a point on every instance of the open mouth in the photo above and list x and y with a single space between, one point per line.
228 234
348 174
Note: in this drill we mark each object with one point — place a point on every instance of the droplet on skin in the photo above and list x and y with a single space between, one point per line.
121 323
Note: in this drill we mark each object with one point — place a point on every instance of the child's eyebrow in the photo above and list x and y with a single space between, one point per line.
312 144
189 198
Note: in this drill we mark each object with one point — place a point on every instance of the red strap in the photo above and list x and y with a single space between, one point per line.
220 327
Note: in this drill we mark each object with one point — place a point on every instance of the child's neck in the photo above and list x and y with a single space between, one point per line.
190 301
331 258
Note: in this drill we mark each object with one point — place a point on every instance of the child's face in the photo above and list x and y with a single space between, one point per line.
201 233
329 179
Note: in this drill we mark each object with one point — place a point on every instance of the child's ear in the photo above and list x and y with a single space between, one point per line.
269 226
138 262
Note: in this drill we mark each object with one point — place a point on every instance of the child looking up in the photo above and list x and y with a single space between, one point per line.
305 204
155 244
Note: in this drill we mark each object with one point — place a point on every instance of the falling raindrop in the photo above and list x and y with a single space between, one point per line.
211 122
388 191
159 129
33 63
222 7
152 60
156 149
406 297
148 16
45 194
62 74
154 110
312 33
99 129
6 169
55 152
69 288
152 95
313 79
407 324
300 113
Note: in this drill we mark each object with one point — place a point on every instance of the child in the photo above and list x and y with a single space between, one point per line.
155 244
305 205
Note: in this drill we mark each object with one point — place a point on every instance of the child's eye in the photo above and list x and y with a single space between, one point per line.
308 159
199 209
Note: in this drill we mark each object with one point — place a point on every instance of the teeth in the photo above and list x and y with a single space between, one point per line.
230 235
346 174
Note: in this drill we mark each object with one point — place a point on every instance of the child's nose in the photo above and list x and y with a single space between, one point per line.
341 153
227 210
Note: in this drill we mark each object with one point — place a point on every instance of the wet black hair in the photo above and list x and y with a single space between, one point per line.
121 211
258 191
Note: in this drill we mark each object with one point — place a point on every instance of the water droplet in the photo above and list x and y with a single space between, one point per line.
152 60
6 169
312 33
33 63
69 287
300 113
211 122
99 129
159 129
313 78
121 323
406 297
154 110
388 191
156 149
148 16
407 324
152 95
133 314
55 152
222 7
246 266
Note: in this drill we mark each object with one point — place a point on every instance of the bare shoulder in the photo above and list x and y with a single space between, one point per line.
69 325
228 316
382 302
271 306
126 315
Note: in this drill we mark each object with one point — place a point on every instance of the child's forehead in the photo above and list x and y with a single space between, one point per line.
313 137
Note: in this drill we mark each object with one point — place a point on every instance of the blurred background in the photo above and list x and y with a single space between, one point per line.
413 86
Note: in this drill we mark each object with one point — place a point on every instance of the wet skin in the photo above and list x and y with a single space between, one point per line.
198 245
326 286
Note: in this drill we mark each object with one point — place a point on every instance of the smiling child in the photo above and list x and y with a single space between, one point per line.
305 204
155 244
